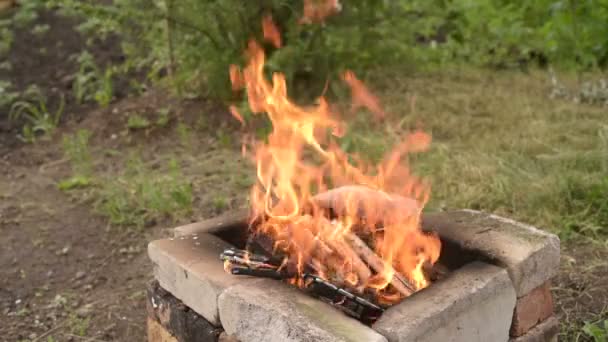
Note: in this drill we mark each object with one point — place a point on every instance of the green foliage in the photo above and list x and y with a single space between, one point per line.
142 195
7 97
76 149
77 325
137 122
74 182
202 38
38 119
90 83
597 330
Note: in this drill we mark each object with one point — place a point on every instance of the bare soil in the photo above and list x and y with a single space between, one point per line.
66 273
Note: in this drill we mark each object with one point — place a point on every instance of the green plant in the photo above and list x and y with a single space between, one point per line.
137 122
90 83
76 149
141 195
38 119
77 325
7 97
597 330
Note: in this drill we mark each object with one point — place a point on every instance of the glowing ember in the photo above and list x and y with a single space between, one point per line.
374 243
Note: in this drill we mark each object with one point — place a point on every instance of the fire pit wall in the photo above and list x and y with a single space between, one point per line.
498 290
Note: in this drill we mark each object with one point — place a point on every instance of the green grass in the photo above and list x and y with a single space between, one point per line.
500 145
140 195
136 121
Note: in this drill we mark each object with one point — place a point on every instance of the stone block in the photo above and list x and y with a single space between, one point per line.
546 331
474 303
190 268
270 311
530 255
210 226
532 309
176 318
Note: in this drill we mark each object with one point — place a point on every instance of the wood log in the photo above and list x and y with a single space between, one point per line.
349 255
398 281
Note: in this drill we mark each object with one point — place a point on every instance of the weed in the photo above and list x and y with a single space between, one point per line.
39 120
6 40
76 149
74 182
136 121
224 138
90 83
220 203
184 133
40 29
7 97
163 117
597 330
141 195
77 325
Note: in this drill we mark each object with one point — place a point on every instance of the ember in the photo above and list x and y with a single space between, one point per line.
363 237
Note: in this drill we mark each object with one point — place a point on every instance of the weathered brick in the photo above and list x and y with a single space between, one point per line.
266 310
473 304
546 331
210 226
530 255
532 309
176 319
190 268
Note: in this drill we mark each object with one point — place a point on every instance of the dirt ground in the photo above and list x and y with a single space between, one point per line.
66 274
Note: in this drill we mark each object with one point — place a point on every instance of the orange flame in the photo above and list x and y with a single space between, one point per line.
362 97
315 11
380 204
271 32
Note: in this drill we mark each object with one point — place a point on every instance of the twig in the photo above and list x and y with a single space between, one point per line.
50 331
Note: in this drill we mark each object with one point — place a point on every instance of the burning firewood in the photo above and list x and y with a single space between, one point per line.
397 280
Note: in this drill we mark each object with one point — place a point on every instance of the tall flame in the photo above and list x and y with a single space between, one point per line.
381 203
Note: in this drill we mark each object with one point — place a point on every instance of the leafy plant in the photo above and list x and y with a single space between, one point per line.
7 97
137 122
38 119
597 330
90 83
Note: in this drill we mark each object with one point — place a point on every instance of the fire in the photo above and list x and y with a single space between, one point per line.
315 11
372 242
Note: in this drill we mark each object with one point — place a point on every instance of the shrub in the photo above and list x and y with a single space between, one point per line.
195 41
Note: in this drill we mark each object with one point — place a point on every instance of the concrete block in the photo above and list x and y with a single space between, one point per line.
270 311
532 309
546 331
530 255
474 303
228 219
191 270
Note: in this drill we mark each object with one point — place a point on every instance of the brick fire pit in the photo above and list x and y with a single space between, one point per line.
497 290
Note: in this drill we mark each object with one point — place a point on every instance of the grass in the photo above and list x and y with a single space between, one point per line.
501 145
141 195
39 120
